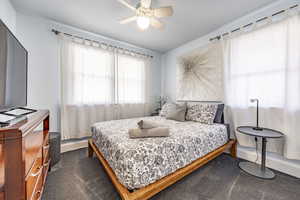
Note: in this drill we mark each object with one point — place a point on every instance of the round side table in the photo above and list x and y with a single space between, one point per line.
254 169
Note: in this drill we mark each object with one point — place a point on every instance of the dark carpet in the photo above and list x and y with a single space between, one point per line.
78 177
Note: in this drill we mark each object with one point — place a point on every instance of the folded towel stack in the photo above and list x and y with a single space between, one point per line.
148 129
146 124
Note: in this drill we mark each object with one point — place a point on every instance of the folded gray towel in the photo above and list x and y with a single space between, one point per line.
147 124
151 132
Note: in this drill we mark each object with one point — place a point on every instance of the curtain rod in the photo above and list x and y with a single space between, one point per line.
259 20
56 32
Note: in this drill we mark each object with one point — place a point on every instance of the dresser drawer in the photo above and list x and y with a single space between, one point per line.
32 143
33 177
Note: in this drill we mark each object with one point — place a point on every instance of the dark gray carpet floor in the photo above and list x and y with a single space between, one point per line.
78 177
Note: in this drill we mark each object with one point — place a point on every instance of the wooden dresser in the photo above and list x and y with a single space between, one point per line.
24 157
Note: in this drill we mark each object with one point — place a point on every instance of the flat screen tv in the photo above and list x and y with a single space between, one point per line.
13 70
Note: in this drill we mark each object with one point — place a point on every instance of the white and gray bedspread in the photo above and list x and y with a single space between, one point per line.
139 162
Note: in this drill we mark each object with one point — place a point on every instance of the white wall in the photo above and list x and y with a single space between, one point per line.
43 68
8 14
169 62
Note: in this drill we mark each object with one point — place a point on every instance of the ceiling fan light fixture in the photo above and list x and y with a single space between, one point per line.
145 15
143 22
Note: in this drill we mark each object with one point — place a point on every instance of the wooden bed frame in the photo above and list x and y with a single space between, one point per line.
154 188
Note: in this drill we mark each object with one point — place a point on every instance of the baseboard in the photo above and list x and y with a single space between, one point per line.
274 161
73 145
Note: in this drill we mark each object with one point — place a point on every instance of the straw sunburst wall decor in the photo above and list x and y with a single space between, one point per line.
200 74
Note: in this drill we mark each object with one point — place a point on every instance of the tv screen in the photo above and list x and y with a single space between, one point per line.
13 70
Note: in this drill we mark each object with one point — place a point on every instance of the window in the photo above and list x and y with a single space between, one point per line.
265 64
131 80
93 75
262 64
98 83
96 76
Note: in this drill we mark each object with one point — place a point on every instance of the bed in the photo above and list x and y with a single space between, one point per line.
140 168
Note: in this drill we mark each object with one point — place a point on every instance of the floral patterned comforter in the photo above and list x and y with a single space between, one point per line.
139 162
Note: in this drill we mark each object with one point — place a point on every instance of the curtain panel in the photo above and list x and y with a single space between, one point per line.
99 83
265 64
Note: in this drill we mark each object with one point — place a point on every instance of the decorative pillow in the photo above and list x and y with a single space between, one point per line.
169 107
219 114
165 109
203 113
178 113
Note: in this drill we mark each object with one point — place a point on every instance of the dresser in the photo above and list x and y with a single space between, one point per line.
24 157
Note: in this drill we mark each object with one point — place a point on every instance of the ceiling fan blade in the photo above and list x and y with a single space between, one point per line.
146 3
128 19
163 12
125 3
156 23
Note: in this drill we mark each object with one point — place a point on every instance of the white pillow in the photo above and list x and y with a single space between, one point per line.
178 114
170 108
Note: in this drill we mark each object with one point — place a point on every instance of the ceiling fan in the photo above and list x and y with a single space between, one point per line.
145 15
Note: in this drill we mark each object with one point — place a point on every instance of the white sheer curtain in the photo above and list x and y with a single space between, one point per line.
131 79
132 86
98 83
132 90
265 64
87 74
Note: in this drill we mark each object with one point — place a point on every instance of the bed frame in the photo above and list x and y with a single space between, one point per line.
154 188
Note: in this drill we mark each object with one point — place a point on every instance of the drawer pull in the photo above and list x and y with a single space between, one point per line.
46 147
46 164
38 172
38 195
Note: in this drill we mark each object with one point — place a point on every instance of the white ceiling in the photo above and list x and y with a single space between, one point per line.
192 18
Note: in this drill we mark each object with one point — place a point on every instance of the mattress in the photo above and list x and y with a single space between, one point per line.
140 162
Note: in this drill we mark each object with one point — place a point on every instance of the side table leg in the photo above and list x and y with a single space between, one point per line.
258 170
263 154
